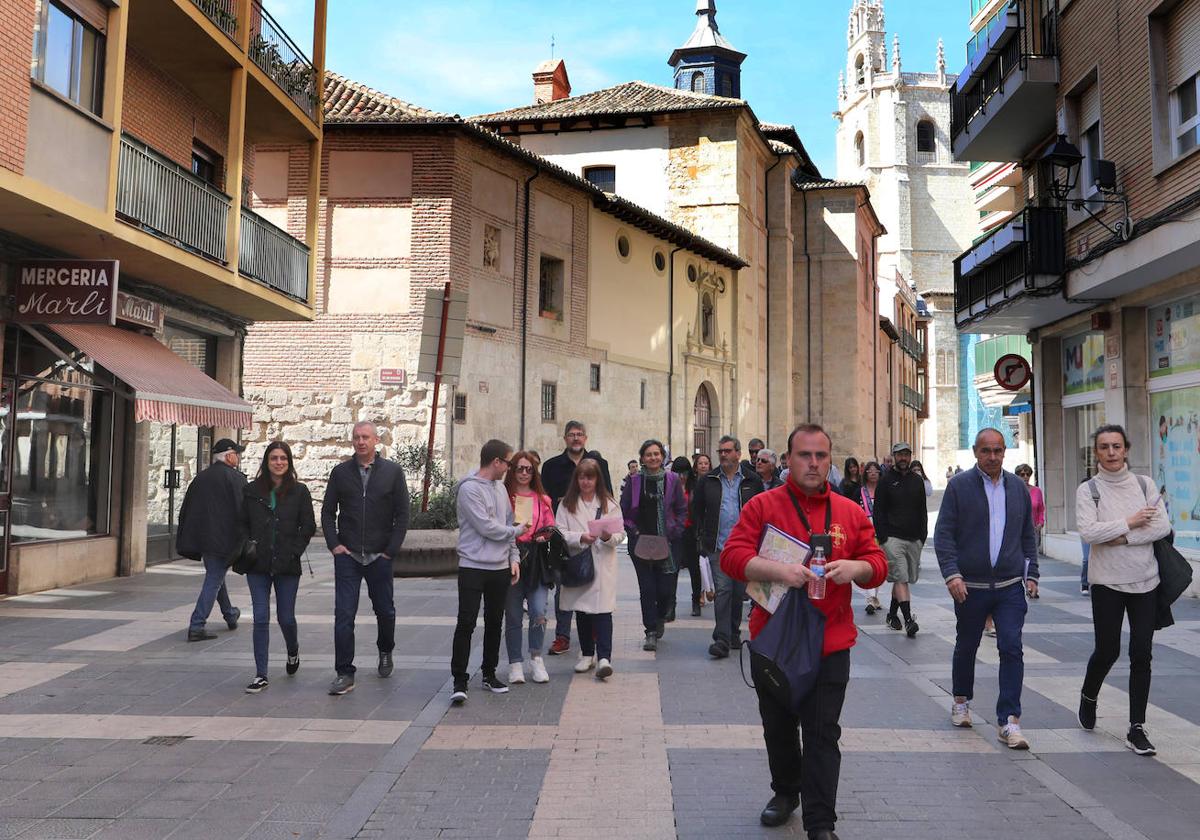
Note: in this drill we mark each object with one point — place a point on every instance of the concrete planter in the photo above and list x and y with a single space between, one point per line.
427 554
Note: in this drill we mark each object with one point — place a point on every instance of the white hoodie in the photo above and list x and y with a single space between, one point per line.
486 534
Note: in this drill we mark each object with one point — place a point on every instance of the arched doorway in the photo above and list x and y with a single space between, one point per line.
705 420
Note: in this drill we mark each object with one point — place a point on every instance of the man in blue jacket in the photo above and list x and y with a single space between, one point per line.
364 519
987 552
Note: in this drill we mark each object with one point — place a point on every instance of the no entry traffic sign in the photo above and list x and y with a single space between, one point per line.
1012 372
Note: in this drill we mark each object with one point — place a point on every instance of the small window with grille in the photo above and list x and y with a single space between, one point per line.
594 378
549 402
460 408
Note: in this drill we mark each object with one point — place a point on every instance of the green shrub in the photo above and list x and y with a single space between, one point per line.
442 514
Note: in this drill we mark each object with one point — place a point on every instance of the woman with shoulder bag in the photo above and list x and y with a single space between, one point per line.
532 505
654 510
1121 515
277 516
871 473
587 499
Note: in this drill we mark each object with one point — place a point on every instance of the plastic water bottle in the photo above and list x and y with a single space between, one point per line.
816 588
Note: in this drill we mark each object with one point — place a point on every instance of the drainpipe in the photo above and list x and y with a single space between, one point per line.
671 342
807 306
767 224
525 303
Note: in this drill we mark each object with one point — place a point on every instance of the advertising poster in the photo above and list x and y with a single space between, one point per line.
1083 363
1175 460
1174 335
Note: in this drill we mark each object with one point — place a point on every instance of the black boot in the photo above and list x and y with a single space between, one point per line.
779 810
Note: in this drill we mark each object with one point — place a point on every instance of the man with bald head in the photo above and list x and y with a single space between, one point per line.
987 552
364 518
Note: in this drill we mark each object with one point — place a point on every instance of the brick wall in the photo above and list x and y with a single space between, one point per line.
16 49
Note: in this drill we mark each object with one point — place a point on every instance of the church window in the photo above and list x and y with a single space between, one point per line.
926 142
660 261
860 150
860 71
698 85
623 246
604 177
707 321
725 84
550 288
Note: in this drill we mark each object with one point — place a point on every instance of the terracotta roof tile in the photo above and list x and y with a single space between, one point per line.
347 101
627 98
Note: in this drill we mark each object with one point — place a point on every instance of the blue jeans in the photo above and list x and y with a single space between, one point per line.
519 594
656 589
213 589
348 575
1087 551
562 618
286 587
728 606
1007 608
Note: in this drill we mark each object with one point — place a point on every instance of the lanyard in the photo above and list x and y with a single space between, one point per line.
804 519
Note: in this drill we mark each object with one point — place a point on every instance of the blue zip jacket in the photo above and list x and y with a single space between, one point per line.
961 535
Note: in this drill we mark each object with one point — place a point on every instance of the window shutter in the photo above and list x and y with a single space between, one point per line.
92 12
1089 107
1183 42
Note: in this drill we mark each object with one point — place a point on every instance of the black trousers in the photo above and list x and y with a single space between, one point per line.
690 559
1108 613
490 586
811 772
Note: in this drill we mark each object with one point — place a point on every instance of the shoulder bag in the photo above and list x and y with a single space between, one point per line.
650 547
580 569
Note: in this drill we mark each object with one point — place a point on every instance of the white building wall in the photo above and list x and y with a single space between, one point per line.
639 155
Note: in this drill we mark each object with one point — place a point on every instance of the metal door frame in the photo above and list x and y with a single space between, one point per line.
8 393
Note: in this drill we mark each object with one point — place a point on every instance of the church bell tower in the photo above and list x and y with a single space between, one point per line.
707 63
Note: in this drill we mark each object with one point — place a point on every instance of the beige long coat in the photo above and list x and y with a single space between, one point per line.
599 596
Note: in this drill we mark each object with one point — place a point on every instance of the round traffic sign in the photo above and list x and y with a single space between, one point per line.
1012 372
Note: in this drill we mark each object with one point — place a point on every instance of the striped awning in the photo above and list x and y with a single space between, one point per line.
167 388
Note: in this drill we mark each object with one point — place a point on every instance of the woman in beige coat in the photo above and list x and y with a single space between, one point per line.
588 499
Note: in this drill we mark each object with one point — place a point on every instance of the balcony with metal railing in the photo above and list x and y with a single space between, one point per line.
161 197
277 55
223 13
1004 100
272 257
911 345
912 398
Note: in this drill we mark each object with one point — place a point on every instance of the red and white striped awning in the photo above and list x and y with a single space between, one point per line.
167 388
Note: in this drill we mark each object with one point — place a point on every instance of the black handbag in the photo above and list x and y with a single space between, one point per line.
552 557
1174 577
246 556
580 569
785 657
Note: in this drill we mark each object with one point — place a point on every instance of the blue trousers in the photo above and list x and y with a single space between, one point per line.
286 587
348 576
213 589
1007 608
519 594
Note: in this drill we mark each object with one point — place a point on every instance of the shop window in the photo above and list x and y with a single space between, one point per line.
68 54
549 402
604 177
594 378
460 407
550 288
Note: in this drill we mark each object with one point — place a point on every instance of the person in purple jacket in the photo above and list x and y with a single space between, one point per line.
655 513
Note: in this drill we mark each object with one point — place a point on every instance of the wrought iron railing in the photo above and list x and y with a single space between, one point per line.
911 345
278 56
1036 37
272 256
912 398
221 12
167 200
1029 246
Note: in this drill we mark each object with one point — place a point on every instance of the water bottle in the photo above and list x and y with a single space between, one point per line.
816 588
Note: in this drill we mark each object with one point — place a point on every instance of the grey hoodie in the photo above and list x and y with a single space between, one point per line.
486 534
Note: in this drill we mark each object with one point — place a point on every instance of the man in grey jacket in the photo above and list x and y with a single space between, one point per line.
488 564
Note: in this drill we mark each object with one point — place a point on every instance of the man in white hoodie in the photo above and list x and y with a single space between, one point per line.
488 564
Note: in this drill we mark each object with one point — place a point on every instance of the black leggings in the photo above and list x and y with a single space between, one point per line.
1108 612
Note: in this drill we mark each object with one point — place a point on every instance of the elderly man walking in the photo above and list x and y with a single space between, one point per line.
364 518
208 532
987 552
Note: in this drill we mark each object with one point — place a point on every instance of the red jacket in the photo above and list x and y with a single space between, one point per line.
853 538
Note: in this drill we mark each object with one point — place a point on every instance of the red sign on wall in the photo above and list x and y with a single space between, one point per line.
66 292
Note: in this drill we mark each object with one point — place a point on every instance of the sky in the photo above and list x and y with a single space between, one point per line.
476 56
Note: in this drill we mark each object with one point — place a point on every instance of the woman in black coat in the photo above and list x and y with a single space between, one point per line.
277 514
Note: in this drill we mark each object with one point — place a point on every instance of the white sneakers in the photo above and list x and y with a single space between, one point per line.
539 670
585 664
960 714
516 673
604 669
1010 735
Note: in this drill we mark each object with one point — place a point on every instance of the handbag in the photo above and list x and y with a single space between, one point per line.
651 548
580 569
785 657
246 556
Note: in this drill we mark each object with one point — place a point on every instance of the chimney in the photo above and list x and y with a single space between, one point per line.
550 82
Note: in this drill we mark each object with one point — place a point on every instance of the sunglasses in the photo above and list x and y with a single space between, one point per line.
765 461
524 469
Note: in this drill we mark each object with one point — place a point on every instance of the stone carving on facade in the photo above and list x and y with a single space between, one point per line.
491 247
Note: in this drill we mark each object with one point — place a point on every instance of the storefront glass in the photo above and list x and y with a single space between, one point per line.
1083 364
62 442
1174 337
1081 422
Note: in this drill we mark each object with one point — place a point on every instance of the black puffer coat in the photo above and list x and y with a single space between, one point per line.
282 534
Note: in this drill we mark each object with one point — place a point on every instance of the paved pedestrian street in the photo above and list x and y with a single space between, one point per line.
112 726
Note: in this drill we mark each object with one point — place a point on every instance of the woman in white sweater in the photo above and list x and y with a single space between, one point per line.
1121 515
587 499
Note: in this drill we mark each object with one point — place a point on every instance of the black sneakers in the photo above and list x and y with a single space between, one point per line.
385 664
779 810
1137 741
911 627
494 684
293 663
257 685
459 695
231 623
1087 711
719 649
343 684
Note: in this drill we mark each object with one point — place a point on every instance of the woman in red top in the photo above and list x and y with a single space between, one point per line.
530 504
804 503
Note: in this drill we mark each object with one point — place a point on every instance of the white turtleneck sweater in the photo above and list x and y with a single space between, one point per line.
1130 567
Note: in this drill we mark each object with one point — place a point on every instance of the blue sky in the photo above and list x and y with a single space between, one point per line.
474 56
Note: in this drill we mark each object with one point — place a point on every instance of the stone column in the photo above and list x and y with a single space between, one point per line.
780 303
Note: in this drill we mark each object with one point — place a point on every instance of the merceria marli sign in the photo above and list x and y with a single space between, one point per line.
66 291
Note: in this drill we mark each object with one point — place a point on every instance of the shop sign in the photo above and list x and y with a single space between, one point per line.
66 292
1083 364
393 376
1174 337
1175 460
139 312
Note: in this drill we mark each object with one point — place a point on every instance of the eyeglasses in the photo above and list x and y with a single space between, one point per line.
524 469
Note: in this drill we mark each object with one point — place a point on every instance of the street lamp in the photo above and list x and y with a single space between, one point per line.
1062 160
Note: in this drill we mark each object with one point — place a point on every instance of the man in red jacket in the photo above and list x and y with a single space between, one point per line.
809 776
